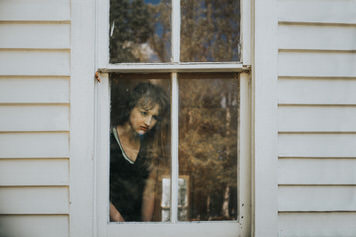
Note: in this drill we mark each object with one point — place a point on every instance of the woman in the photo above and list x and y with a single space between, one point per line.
134 147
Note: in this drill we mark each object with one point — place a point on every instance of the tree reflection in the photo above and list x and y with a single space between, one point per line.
208 145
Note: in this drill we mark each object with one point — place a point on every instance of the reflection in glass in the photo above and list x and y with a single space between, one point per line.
140 31
139 145
208 115
210 30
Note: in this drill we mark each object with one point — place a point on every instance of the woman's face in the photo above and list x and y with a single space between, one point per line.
143 119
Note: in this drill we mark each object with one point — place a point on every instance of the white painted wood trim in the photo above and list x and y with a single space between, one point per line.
244 156
174 148
176 18
102 33
82 80
245 32
265 130
176 67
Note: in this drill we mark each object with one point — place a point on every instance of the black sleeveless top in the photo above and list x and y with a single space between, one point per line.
127 181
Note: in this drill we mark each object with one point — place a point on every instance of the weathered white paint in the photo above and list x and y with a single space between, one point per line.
82 141
333 91
22 172
34 200
34 118
316 145
35 10
34 225
244 155
174 147
317 198
35 35
207 229
317 224
34 145
305 36
317 63
317 118
264 118
35 62
319 11
317 171
21 90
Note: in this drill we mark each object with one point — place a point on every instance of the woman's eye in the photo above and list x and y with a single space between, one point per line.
144 113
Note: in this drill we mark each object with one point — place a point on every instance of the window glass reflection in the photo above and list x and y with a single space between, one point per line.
208 116
139 146
210 30
140 31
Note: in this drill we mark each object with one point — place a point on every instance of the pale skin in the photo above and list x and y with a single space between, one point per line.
141 121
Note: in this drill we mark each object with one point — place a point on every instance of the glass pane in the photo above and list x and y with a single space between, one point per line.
139 146
140 31
208 115
210 30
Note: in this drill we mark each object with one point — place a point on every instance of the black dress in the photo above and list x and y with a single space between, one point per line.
127 180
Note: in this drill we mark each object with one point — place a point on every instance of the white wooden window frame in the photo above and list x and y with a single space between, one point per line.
240 227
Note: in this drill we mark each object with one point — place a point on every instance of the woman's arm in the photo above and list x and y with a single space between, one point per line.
115 214
149 198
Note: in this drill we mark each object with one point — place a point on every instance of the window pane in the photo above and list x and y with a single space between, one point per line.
210 30
140 31
208 115
139 146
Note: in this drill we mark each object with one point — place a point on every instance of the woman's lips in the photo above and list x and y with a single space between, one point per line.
144 128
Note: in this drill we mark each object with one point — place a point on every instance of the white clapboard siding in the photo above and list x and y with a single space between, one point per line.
34 118
317 224
35 62
317 198
316 145
317 171
34 145
34 226
319 91
35 10
316 63
308 37
34 35
316 118
21 90
321 11
34 172
34 200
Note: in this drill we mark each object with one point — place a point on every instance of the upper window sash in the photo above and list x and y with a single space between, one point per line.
103 55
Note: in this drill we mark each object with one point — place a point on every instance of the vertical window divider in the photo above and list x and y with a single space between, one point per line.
175 31
174 148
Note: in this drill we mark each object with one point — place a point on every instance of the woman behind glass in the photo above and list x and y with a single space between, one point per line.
135 146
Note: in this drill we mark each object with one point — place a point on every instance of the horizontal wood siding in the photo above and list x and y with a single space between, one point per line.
35 10
318 224
35 70
34 172
20 90
34 225
316 117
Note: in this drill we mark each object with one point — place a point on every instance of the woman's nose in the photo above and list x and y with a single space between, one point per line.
148 120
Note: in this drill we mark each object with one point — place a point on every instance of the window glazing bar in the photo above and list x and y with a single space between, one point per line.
178 67
174 148
175 30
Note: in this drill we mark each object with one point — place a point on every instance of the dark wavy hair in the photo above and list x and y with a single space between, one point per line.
144 94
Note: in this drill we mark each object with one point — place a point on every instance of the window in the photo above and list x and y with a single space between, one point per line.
193 51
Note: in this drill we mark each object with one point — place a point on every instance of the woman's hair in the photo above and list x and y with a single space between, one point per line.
145 95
